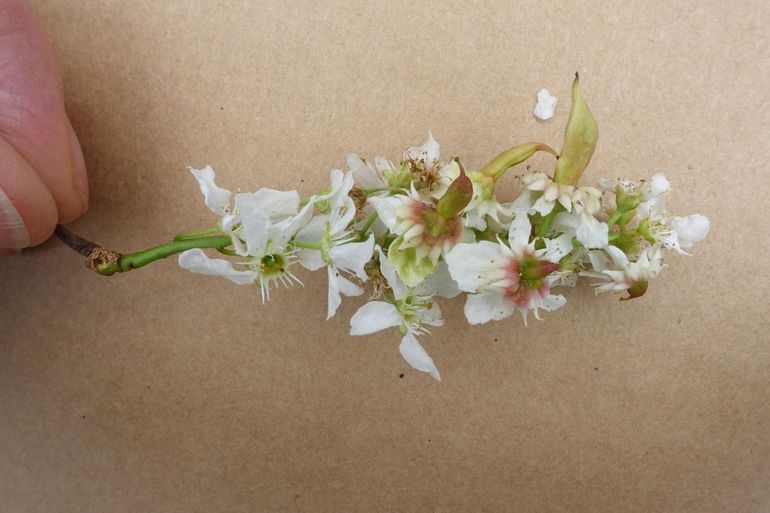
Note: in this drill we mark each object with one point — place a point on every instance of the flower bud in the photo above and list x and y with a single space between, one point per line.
580 138
512 157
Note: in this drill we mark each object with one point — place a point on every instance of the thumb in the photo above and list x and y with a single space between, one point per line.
42 174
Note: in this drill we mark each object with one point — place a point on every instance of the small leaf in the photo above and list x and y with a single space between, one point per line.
457 196
580 138
512 157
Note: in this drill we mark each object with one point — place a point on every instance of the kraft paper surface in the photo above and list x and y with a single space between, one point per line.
164 391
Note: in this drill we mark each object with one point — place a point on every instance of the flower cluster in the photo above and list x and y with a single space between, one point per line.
421 228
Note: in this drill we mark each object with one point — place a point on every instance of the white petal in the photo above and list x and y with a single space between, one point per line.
591 233
558 248
618 257
428 152
338 284
195 260
470 264
374 316
386 209
659 184
315 230
520 229
566 222
343 212
281 233
417 357
552 302
546 104
691 229
487 306
217 199
277 204
363 173
600 261
397 286
255 223
432 317
352 257
523 203
439 282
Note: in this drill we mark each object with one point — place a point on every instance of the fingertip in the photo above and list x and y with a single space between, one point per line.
79 176
28 213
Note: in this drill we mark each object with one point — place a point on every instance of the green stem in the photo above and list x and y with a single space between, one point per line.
141 258
197 234
542 230
369 192
108 262
615 217
306 244
368 224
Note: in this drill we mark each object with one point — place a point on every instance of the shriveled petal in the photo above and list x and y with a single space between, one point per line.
470 264
386 209
397 286
690 229
217 199
428 152
195 260
374 316
277 204
417 357
352 257
487 306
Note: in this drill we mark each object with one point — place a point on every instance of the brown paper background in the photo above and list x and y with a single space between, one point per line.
166 391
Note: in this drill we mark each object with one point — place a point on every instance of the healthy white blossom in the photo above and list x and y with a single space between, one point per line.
503 278
407 310
617 273
336 247
260 225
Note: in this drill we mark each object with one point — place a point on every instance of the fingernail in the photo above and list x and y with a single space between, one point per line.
78 163
13 232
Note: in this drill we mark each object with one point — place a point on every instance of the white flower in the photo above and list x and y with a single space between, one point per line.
366 175
690 229
427 153
260 225
617 273
546 104
416 221
407 310
336 246
552 193
502 279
